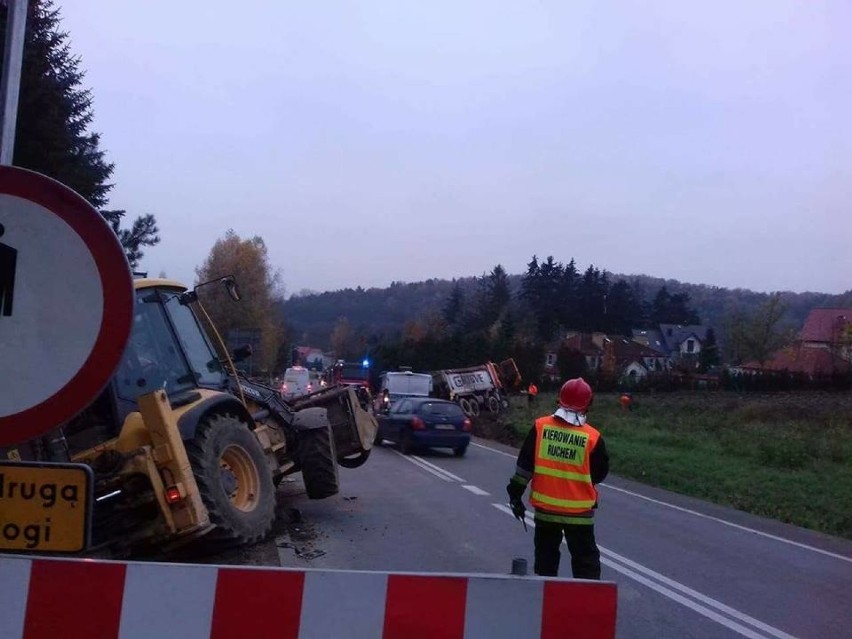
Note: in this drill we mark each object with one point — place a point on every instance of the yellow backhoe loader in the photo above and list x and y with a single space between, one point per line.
182 445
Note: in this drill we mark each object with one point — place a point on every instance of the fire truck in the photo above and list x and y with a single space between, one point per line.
350 373
355 374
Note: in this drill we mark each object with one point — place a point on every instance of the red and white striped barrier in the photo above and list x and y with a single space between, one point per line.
87 599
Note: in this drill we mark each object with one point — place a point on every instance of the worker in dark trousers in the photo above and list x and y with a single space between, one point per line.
564 458
532 393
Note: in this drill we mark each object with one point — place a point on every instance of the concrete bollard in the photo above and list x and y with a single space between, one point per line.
519 566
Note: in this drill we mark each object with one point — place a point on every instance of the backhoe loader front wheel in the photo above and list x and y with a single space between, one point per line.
318 459
233 479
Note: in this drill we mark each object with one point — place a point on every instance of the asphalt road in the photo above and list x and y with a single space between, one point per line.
684 568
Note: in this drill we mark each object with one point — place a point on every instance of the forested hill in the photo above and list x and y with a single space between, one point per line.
373 311
384 312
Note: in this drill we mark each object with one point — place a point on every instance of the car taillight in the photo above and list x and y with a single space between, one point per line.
467 425
173 495
417 423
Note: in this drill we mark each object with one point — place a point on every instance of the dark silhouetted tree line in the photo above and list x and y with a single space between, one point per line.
496 317
440 323
558 298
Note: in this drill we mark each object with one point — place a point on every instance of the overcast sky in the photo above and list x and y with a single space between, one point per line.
368 142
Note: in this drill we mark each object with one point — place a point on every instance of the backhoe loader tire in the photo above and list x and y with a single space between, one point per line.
233 479
354 461
318 459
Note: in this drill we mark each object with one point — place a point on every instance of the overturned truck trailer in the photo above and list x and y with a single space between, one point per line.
477 388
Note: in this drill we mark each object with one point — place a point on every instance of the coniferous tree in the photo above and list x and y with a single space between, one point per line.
497 294
709 350
569 313
529 297
640 311
660 306
621 309
593 290
549 310
454 306
530 282
672 309
679 310
55 113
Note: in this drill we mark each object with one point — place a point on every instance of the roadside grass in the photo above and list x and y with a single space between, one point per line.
784 455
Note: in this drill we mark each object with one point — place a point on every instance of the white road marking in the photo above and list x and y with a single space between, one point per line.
702 515
439 469
508 511
706 612
417 462
713 603
610 559
494 450
476 490
731 524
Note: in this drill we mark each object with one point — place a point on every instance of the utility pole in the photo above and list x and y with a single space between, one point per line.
10 83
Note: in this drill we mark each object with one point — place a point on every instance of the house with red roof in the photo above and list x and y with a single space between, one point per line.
624 356
829 329
313 357
824 346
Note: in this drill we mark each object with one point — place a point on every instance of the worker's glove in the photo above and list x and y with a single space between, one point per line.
518 509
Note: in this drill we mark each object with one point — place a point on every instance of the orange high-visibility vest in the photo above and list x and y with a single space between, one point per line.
562 481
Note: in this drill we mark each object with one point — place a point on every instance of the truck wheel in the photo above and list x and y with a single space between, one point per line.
493 404
233 479
474 407
464 403
318 459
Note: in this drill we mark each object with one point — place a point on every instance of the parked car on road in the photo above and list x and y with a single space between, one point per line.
425 422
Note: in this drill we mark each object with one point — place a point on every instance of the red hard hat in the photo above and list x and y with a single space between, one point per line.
575 395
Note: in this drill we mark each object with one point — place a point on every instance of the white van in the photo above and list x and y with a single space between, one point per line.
401 384
297 382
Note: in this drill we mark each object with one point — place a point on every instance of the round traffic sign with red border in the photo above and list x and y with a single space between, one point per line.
66 304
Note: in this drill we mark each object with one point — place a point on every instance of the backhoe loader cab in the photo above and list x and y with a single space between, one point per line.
183 446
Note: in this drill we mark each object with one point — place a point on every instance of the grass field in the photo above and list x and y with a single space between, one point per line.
783 455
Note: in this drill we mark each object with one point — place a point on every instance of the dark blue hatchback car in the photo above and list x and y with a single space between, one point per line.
425 422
